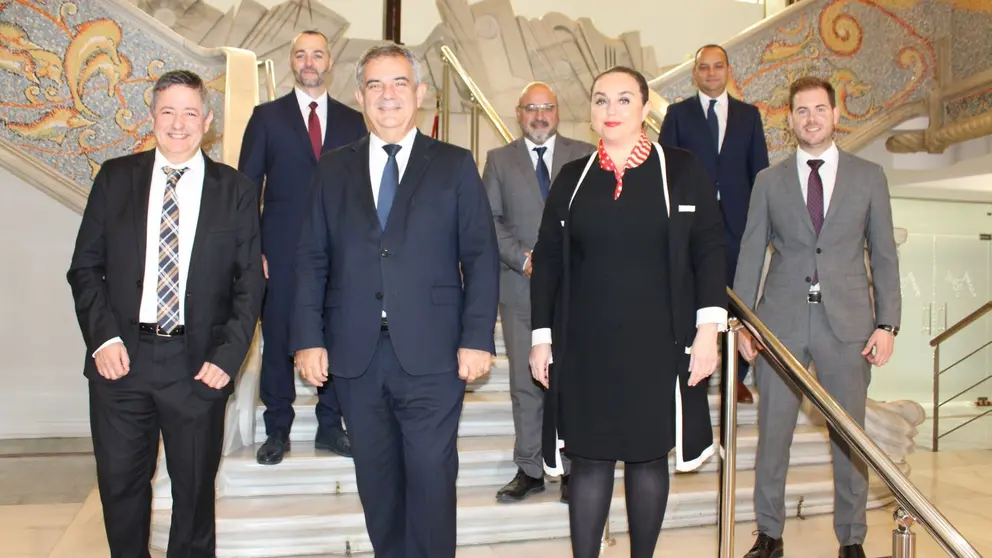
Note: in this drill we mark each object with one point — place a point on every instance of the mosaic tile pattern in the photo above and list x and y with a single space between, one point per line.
967 107
77 83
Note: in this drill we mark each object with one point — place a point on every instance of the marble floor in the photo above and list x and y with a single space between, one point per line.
49 508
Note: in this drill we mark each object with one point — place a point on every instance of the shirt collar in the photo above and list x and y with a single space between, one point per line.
194 163
406 144
704 99
304 99
829 157
550 144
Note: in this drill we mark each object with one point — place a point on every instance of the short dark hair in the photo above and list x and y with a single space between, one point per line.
314 33
808 83
695 58
642 82
387 50
185 78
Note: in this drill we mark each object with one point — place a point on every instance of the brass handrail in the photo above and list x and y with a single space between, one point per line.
270 77
961 324
450 60
911 500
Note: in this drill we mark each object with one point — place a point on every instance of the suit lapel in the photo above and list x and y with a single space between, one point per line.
521 158
734 116
210 202
562 150
841 185
359 171
141 184
327 126
291 110
702 125
794 190
420 157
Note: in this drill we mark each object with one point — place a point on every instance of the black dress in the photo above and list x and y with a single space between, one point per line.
618 376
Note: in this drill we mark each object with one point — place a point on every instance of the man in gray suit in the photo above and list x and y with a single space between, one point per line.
518 177
818 208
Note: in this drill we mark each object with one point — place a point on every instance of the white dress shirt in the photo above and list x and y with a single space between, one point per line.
548 155
721 110
305 100
828 175
189 191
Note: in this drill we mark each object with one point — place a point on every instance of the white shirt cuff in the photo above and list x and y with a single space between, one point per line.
107 344
712 315
539 336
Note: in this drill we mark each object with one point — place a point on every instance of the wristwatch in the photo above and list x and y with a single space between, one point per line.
891 329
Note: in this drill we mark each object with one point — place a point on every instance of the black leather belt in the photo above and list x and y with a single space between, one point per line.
155 330
814 298
384 325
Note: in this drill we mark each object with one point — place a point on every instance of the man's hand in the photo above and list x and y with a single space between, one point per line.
540 358
112 361
213 376
473 364
265 266
312 365
747 345
882 342
704 357
529 264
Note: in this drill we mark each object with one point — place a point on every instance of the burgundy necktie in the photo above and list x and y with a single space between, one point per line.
814 200
313 125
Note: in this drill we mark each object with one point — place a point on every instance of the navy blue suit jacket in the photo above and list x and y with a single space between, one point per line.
276 147
436 265
743 153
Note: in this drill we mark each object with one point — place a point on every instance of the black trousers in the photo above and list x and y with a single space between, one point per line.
126 417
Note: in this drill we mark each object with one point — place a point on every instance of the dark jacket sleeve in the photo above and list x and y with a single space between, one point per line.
313 256
252 159
548 256
757 157
670 128
707 241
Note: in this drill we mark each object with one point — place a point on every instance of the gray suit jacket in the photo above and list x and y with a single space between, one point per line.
860 212
515 198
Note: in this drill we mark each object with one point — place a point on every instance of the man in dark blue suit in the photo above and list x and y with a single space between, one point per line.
397 283
282 143
728 138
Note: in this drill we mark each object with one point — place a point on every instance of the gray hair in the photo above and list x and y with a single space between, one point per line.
185 78
386 51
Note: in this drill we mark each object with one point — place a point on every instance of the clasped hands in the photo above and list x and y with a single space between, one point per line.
312 365
113 363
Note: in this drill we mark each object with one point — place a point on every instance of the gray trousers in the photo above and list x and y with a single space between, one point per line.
526 395
845 375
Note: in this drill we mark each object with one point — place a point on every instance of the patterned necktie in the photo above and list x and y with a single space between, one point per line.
814 200
168 254
714 124
390 181
543 176
313 127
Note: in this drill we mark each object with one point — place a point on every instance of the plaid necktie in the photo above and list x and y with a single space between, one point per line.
814 201
168 254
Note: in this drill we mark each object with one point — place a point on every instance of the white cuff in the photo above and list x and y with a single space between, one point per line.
712 315
539 336
107 344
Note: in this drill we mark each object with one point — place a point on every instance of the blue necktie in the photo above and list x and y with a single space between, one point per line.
388 184
543 176
714 124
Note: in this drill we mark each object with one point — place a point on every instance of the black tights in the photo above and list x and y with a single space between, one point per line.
590 493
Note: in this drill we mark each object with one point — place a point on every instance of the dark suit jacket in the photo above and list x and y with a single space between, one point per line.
743 153
346 264
224 283
276 148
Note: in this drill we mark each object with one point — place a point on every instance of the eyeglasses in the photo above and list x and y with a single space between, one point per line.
538 108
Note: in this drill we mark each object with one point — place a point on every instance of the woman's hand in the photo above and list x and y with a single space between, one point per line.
540 358
704 357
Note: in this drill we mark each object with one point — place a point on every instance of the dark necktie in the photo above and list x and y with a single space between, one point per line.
388 184
167 312
814 200
714 124
313 127
543 176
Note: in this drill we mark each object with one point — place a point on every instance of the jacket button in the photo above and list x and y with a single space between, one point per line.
809 279
378 296
138 283
819 251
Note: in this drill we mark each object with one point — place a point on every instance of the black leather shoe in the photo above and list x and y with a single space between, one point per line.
766 547
520 488
272 451
564 489
851 551
333 440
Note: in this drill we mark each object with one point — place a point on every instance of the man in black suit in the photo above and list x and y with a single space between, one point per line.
728 138
167 281
282 143
397 284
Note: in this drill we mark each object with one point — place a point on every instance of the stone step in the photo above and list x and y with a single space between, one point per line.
279 526
485 414
483 461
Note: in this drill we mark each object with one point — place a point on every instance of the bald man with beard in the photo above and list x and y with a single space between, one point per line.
518 177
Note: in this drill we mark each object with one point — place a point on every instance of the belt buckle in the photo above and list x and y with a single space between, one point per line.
814 298
159 332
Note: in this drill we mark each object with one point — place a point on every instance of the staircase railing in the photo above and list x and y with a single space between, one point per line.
957 328
478 100
913 506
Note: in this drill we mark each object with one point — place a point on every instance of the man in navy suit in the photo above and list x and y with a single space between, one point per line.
282 143
397 284
728 138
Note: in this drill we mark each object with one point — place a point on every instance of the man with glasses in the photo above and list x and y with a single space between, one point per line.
518 177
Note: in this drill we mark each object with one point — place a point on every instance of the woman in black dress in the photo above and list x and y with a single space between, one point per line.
629 283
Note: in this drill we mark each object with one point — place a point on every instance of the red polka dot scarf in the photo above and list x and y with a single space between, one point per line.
637 156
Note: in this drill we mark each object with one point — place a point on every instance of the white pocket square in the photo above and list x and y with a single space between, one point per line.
687 209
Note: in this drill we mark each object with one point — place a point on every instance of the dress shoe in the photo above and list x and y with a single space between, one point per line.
851 551
272 451
334 440
766 547
520 488
564 489
743 394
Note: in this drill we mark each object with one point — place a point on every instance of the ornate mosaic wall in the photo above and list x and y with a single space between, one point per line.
76 82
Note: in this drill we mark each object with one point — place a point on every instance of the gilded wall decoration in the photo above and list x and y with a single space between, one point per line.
77 80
